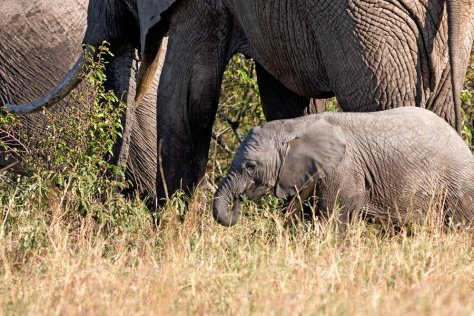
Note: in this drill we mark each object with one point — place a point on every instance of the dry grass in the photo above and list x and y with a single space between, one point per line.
194 266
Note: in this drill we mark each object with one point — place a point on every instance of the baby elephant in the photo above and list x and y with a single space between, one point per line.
388 166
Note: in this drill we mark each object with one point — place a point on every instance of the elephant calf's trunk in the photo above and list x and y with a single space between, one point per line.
69 82
222 212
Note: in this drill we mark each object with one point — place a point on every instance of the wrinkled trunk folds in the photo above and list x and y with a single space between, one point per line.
226 208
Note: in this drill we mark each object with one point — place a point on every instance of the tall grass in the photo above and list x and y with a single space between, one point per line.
193 266
73 245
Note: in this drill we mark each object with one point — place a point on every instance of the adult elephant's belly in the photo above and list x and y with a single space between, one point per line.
283 44
39 42
372 57
310 52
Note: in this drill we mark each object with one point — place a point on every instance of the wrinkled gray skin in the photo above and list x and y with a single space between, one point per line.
383 164
372 55
39 41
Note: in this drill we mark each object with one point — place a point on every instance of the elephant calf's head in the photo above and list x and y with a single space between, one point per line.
282 155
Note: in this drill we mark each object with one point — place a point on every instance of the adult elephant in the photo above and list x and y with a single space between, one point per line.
39 41
372 55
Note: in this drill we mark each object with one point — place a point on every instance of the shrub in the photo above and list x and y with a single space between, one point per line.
68 170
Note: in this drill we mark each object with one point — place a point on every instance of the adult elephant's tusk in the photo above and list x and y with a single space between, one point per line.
70 81
148 68
145 77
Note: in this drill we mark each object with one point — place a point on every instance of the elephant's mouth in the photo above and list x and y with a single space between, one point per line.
234 205
230 216
238 199
257 190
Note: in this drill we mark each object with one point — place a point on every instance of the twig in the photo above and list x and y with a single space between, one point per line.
162 173
233 124
6 168
221 143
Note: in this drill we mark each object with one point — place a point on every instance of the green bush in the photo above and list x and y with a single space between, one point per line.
67 166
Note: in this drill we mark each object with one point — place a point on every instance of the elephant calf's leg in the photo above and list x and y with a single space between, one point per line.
302 206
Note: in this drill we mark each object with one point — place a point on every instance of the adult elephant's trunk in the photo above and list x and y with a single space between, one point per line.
454 41
70 81
226 208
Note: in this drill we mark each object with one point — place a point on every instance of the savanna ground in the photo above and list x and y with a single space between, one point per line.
70 244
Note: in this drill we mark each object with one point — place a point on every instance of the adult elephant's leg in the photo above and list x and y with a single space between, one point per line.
278 102
185 114
187 102
317 106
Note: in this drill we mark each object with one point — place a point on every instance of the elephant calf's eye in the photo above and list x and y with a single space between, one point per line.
250 165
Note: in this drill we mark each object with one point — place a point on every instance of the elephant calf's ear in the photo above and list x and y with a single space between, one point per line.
313 155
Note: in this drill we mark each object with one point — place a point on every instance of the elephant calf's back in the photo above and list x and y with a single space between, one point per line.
409 160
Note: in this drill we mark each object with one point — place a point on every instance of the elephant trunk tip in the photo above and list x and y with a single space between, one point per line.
223 213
